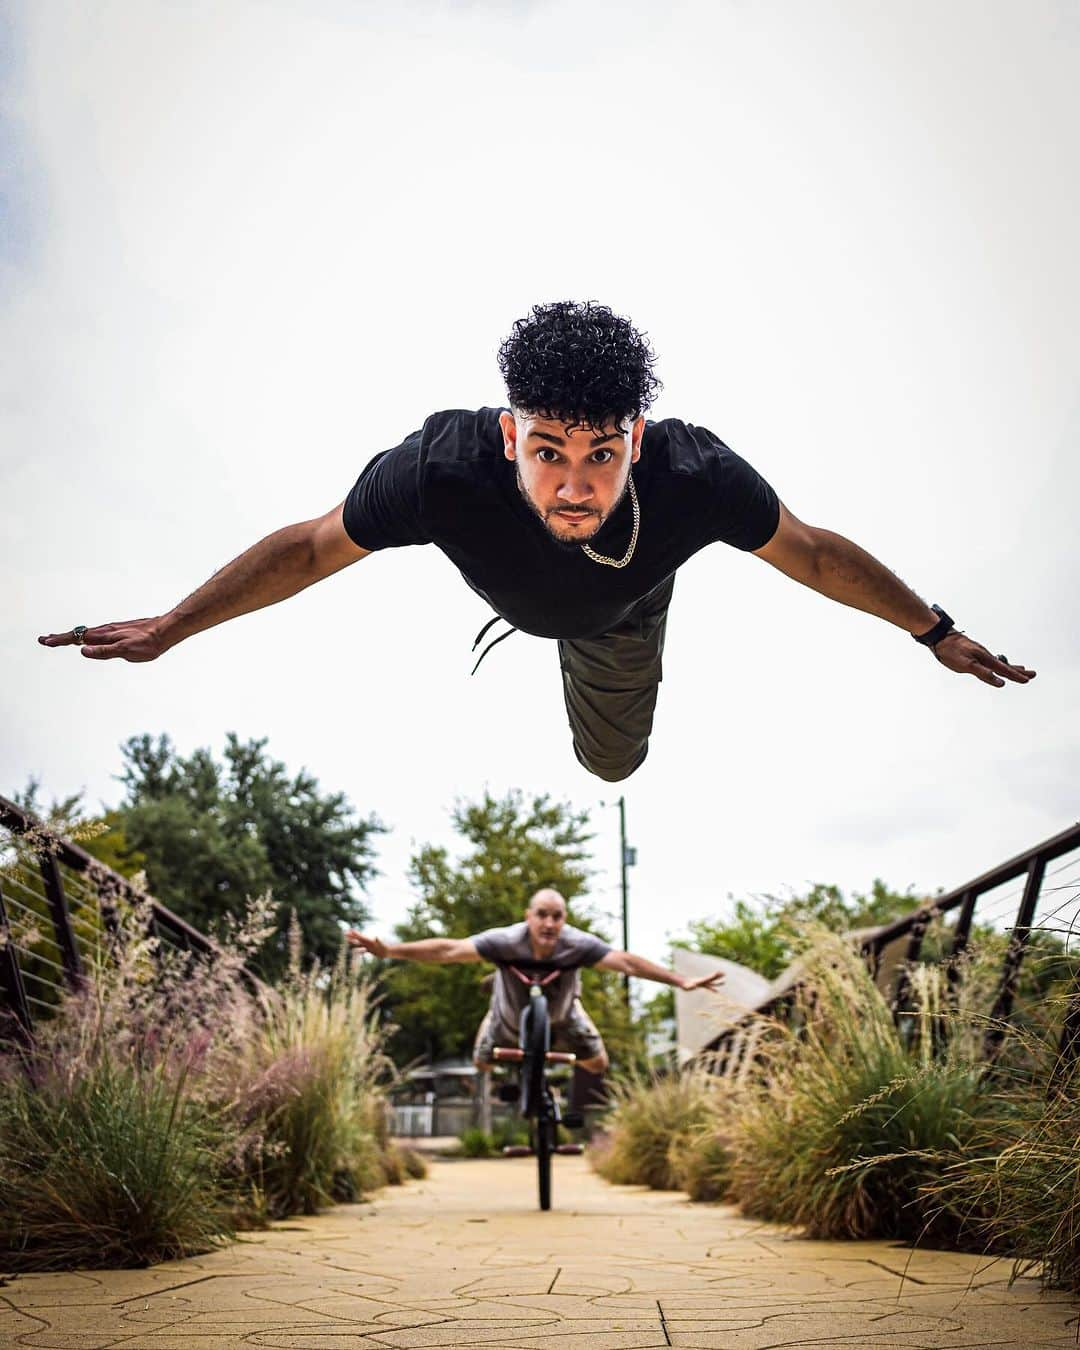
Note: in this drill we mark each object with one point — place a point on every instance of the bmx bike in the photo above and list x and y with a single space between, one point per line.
535 1099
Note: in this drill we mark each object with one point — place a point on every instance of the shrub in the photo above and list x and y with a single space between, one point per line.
476 1143
701 1162
392 1165
1016 1188
112 1151
652 1119
850 1122
1023 1199
307 1095
413 1162
505 1132
170 1101
117 1166
509 1132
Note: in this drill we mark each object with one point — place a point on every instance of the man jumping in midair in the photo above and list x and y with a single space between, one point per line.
570 514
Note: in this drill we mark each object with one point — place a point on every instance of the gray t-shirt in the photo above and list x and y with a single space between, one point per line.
510 995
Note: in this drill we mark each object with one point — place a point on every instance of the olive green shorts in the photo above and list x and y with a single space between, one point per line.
610 685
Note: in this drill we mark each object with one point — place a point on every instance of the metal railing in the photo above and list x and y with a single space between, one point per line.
1035 891
58 907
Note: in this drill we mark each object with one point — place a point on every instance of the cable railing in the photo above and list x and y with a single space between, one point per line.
1019 899
59 916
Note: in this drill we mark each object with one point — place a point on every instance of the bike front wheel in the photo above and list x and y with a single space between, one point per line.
535 1039
545 1145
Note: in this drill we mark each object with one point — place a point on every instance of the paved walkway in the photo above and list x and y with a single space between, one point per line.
465 1259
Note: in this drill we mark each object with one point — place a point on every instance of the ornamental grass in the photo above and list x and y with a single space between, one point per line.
112 1152
119 1165
652 1127
1015 1188
852 1125
1019 1189
845 1120
309 1095
851 1117
172 1100
701 1159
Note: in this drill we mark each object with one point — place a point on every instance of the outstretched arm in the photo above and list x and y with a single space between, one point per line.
836 567
276 567
441 951
627 963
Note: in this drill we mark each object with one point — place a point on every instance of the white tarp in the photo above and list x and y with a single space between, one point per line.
702 1014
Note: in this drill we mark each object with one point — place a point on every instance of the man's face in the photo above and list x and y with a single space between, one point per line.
572 480
545 918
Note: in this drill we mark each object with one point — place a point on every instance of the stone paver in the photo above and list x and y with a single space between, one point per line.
465 1259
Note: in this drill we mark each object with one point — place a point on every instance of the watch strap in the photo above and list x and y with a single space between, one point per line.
933 636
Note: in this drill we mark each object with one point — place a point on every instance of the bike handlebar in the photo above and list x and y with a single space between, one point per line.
507 1052
543 967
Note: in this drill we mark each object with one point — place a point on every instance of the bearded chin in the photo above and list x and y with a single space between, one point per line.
567 545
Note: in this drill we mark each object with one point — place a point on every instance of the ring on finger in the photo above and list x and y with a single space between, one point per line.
79 633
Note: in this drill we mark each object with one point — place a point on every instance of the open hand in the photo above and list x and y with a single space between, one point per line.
373 946
134 640
968 657
704 981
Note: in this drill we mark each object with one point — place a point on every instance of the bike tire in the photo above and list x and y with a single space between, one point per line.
545 1130
536 1038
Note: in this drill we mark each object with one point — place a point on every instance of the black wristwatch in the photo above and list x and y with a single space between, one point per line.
941 629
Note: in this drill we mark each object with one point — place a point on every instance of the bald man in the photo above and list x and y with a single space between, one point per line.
544 935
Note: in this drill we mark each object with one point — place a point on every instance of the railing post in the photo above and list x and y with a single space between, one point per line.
962 929
961 937
61 918
1069 1044
903 979
736 1048
1014 956
107 889
12 984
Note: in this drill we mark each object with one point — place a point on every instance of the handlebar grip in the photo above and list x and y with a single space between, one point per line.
507 1052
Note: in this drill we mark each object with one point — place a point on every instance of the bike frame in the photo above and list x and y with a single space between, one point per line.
533 1052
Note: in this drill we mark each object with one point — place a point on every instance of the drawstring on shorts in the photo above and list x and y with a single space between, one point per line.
493 643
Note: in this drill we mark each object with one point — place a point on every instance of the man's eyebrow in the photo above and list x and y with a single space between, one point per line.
594 444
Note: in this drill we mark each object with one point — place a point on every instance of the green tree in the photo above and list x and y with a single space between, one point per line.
107 841
751 936
212 833
763 934
514 846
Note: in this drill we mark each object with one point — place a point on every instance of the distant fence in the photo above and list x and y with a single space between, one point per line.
58 905
1038 890
446 1117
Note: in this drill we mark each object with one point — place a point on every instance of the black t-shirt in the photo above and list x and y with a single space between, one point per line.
450 484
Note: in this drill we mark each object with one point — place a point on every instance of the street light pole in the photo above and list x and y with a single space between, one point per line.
624 862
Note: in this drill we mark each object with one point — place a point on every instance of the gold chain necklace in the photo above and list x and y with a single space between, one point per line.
620 562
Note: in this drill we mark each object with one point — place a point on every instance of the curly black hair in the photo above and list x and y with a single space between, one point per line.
578 363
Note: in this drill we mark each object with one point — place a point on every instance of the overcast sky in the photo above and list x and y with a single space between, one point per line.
248 245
